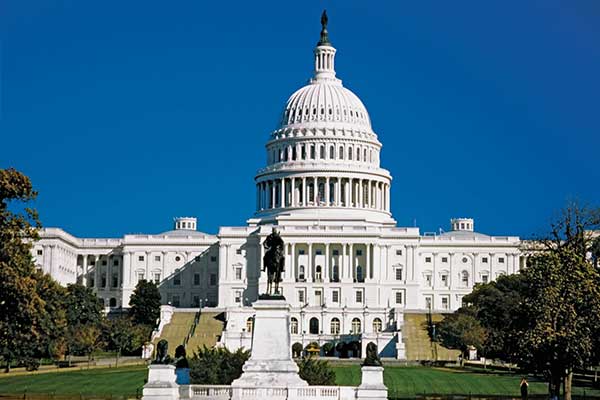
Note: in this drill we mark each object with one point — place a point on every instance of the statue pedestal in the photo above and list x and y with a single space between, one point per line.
161 383
371 386
271 362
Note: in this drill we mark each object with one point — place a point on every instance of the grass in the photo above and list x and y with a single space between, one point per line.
401 382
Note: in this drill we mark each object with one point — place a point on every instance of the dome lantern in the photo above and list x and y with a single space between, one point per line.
324 54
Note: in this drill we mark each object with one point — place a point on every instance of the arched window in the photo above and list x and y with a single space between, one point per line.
464 277
313 326
365 155
294 153
356 326
331 153
335 326
341 153
350 150
322 152
376 325
318 273
312 152
294 326
301 273
357 154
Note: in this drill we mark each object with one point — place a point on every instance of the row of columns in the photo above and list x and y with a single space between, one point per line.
96 261
323 191
322 151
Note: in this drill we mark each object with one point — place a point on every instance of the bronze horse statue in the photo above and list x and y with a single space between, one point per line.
273 262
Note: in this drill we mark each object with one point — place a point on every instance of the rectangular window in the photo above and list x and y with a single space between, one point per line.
301 252
319 252
398 297
398 252
238 273
427 259
335 296
140 258
157 278
213 279
484 260
484 278
445 303
301 296
116 263
104 262
175 301
196 301
359 296
359 252
196 279
156 258
444 280
177 280
398 274
444 259
39 252
115 280
501 260
336 252
238 296
428 279
140 276
213 258
238 251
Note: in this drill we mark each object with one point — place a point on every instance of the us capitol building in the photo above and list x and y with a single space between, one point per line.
349 269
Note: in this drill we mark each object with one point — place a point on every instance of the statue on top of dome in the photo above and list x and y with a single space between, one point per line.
324 41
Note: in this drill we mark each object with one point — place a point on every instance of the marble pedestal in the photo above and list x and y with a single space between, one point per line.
271 362
371 386
161 383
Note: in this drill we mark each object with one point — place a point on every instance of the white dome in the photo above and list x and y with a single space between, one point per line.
325 101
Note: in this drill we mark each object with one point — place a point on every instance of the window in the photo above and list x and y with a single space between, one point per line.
336 252
312 151
359 274
398 297
359 252
428 302
398 252
196 279
177 258
444 278
39 252
195 301
213 258
359 296
156 258
501 260
301 298
445 303
341 153
484 260
115 280
444 259
301 252
464 277
140 258
356 326
116 263
428 279
398 274
335 296
213 279
112 302
140 276
427 259
484 278
377 325
157 278
335 273
104 262
335 326
175 301
322 152
294 326
319 252
238 273
318 273
313 326
237 296
465 260
177 279
249 324
331 152
301 273
238 251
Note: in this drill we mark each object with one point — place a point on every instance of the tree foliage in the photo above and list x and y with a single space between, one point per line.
461 330
217 366
316 372
145 303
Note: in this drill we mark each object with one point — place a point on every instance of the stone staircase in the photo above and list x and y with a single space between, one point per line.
417 341
176 331
207 333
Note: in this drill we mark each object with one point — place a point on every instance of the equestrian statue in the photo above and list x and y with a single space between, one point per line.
273 262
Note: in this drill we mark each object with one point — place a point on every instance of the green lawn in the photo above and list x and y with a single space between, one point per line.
401 382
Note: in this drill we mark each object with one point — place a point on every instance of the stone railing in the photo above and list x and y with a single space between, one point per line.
220 392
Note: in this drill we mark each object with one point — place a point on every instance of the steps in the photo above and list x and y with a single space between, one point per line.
418 343
176 330
209 330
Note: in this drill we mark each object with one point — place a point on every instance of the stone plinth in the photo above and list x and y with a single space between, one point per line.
271 362
371 386
161 383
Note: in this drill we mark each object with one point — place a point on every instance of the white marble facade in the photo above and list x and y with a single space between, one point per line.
350 271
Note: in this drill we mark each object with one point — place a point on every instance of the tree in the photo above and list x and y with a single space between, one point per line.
119 335
595 251
22 310
84 315
562 307
316 372
87 340
145 303
217 366
461 330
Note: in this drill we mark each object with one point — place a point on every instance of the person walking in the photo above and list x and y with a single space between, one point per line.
524 388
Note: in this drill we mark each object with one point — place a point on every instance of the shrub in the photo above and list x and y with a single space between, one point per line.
328 349
316 372
216 366
297 350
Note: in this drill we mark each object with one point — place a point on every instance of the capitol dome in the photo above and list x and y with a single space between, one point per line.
323 160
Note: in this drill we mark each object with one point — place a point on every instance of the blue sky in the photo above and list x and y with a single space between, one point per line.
127 113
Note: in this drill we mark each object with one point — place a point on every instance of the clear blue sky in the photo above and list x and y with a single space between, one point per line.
127 113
